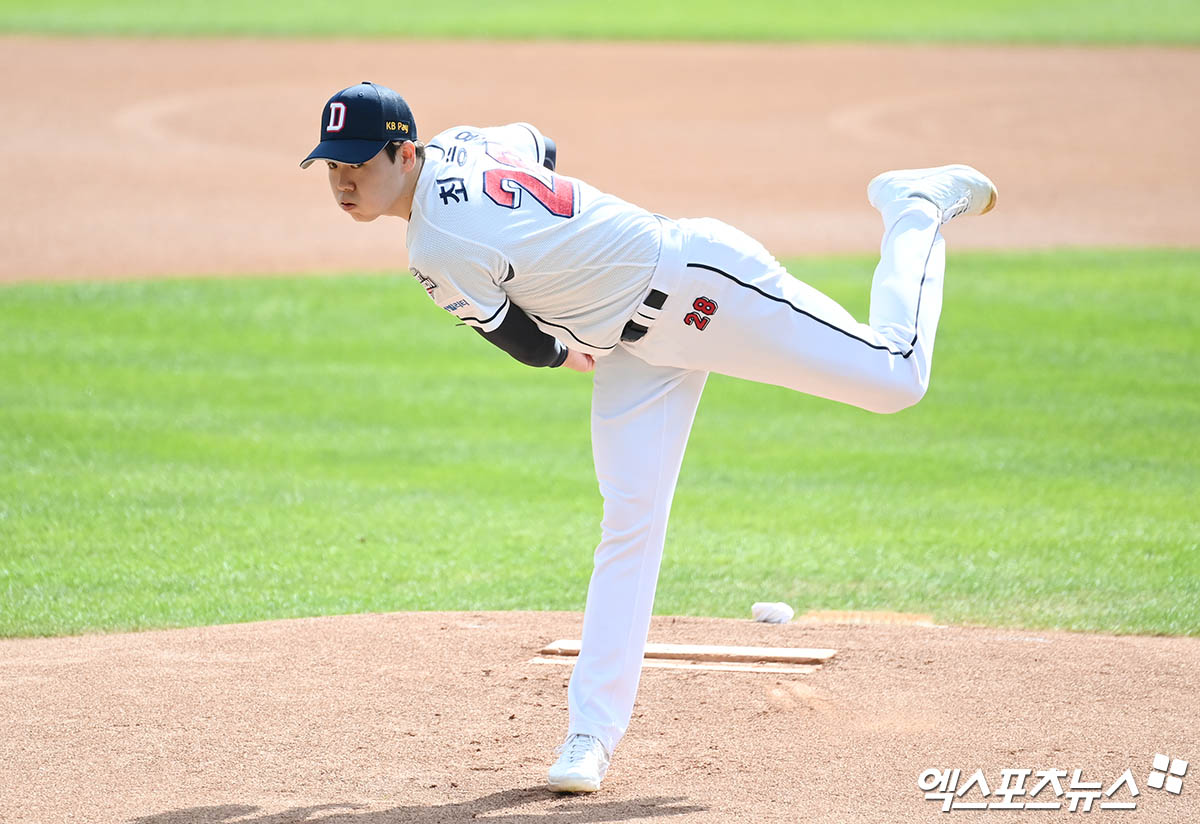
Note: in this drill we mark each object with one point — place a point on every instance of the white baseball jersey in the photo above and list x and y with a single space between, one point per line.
491 226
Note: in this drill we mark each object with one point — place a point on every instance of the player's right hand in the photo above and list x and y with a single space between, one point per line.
579 361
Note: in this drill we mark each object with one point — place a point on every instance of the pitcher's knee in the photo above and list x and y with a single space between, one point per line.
899 395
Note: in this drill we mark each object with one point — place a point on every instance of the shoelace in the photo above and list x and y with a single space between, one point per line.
957 209
577 747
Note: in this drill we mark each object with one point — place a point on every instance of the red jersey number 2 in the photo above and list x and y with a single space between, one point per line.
505 187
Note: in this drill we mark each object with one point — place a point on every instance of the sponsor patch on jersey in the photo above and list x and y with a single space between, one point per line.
427 282
458 304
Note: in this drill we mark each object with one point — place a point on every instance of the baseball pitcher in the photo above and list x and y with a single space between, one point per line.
557 273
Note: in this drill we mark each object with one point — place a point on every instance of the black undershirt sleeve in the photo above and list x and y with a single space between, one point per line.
520 337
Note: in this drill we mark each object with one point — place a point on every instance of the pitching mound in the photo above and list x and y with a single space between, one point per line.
434 717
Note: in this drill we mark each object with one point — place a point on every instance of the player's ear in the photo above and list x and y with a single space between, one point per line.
408 155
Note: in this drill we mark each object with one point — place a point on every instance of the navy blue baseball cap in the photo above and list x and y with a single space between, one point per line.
359 121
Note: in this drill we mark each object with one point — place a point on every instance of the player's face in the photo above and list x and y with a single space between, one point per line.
367 190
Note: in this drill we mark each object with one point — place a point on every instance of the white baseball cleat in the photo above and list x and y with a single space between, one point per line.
581 765
955 190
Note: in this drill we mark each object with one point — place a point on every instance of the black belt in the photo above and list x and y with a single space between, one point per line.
635 330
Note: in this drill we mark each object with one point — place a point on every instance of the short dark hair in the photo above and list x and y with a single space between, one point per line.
394 147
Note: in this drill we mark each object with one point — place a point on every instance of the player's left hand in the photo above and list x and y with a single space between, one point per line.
579 361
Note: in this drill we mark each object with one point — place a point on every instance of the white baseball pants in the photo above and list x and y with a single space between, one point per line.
731 309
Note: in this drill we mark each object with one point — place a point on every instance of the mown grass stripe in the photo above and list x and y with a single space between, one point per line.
988 21
206 451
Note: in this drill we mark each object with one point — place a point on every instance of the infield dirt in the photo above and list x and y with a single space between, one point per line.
138 158
135 158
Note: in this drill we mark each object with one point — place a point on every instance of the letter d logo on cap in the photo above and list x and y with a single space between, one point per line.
337 117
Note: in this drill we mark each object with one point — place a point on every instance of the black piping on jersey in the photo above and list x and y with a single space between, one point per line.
494 314
572 334
810 315
537 142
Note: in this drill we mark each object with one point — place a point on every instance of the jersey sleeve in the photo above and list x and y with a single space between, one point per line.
464 279
472 297
523 138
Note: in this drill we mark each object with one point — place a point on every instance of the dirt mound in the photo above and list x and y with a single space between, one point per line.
439 717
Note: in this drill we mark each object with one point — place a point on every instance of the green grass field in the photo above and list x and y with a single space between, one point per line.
205 451
1022 21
